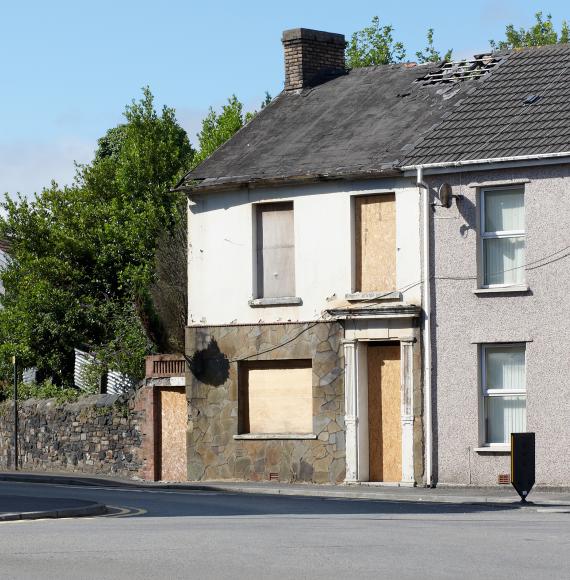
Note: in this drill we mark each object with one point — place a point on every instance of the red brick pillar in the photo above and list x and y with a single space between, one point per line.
146 404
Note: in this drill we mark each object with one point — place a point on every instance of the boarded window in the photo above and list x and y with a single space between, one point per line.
275 250
375 242
276 397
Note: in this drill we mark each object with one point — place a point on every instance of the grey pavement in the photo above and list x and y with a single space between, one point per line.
182 533
443 494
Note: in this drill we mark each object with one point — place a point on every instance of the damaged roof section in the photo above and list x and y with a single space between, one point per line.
357 125
459 71
521 109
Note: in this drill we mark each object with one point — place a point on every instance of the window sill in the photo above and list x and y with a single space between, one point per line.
284 301
493 449
367 296
266 436
515 289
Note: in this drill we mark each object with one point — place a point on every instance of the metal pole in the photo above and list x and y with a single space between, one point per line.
15 413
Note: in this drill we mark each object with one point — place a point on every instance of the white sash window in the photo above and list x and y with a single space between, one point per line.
504 391
502 237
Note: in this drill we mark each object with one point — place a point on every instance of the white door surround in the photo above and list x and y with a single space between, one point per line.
356 404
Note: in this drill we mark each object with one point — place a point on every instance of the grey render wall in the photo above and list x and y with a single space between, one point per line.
213 453
104 434
463 319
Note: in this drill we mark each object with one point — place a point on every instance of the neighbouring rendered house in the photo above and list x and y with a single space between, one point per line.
305 276
500 270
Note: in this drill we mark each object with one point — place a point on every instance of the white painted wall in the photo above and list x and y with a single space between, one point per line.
221 254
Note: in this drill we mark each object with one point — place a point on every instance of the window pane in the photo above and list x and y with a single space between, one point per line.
504 210
504 415
505 367
504 261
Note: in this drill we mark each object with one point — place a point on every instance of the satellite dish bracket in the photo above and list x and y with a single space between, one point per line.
445 196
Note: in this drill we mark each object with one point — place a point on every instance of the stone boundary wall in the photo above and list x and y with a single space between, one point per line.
99 434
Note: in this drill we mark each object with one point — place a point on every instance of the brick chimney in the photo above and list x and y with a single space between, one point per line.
311 56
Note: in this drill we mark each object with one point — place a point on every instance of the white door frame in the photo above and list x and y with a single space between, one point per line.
356 408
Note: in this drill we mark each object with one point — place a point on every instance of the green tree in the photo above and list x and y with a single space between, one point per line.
374 45
99 263
217 128
430 54
540 33
82 257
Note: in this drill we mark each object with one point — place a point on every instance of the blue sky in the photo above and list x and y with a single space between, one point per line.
69 67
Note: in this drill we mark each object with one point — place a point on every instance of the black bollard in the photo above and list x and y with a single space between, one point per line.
522 463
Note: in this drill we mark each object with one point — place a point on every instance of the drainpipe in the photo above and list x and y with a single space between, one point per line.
426 286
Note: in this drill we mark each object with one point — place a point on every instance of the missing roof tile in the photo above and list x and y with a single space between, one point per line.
459 71
530 99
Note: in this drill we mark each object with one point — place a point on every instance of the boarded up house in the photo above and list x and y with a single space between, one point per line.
360 303
304 335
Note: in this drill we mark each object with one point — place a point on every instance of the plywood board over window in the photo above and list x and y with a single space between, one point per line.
276 397
375 242
275 250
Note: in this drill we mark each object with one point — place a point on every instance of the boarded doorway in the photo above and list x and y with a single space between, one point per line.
173 424
384 410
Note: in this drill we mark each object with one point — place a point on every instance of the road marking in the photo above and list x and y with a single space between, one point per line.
124 512
553 510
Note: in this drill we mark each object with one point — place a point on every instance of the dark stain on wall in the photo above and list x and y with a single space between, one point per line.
210 365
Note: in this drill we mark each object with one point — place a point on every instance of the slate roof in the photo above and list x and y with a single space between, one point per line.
357 124
521 108
373 121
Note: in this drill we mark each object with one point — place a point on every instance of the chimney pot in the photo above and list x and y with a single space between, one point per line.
311 56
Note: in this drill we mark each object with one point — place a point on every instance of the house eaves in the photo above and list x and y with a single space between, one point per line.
215 185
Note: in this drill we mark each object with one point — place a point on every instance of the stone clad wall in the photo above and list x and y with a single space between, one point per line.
103 434
213 453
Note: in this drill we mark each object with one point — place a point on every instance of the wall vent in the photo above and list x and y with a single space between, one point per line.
504 478
273 476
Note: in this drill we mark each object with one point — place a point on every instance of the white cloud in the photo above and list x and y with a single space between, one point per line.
27 167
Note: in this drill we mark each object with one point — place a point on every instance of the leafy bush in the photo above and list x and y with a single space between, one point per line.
43 390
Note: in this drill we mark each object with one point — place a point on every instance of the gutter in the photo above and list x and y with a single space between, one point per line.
426 301
485 161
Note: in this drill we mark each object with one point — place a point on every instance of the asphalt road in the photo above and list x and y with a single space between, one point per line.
179 534
37 503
